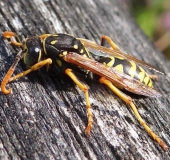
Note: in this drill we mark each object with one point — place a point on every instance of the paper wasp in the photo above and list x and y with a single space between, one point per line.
111 67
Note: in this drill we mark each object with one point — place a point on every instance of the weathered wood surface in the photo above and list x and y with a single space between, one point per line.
45 116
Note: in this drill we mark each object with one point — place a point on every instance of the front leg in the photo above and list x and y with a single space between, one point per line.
7 78
10 35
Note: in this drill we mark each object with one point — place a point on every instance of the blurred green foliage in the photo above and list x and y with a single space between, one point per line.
153 17
147 14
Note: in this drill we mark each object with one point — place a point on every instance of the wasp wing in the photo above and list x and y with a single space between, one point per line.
112 74
117 53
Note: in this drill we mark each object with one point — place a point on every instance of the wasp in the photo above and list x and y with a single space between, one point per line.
110 66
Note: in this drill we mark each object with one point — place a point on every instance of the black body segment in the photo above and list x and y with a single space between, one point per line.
59 43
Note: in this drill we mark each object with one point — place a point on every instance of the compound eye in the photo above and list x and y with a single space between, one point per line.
32 56
34 50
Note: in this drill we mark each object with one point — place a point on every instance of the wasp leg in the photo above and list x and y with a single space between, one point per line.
8 35
6 80
35 67
128 100
15 43
109 40
8 77
9 73
154 77
84 88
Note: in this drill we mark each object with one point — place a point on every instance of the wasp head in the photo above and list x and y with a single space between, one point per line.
32 50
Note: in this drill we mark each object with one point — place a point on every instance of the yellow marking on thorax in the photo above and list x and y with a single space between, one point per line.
75 46
63 54
59 62
111 63
53 42
44 48
132 69
119 67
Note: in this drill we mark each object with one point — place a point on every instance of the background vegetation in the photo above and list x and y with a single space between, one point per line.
153 16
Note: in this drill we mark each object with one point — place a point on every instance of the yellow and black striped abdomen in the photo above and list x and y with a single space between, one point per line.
128 67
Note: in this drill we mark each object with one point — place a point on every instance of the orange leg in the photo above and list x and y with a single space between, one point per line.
128 100
8 77
5 81
154 77
33 68
109 40
9 74
10 35
84 88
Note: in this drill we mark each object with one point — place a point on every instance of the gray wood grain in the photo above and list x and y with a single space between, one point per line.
45 116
